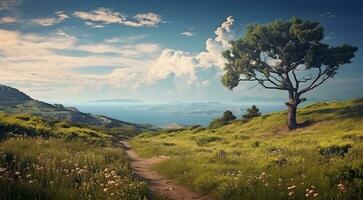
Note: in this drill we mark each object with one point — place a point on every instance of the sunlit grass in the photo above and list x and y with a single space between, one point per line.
57 160
260 159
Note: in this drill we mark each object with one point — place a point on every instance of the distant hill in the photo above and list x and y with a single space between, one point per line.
9 95
13 101
257 100
116 101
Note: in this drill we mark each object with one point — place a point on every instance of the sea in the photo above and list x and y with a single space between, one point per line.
162 115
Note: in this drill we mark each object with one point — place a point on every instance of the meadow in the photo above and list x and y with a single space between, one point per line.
59 160
261 159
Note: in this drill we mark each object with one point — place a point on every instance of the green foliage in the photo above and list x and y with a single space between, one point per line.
36 168
205 140
293 43
339 150
259 159
228 116
252 113
279 55
224 120
60 160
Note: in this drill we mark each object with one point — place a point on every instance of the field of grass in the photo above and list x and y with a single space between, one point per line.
59 160
260 159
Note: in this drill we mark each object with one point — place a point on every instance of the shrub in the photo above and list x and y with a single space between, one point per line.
227 118
338 150
252 113
205 140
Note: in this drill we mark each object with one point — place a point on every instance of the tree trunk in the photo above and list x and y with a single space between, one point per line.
291 116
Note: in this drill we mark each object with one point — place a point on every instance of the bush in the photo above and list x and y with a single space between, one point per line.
335 150
227 118
205 140
252 113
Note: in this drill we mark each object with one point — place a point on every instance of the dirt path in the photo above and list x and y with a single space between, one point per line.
156 182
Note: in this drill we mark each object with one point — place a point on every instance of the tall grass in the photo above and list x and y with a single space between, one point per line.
38 168
58 160
260 159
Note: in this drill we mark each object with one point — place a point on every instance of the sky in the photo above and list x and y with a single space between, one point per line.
154 50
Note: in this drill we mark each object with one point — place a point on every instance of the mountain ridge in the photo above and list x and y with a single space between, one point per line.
13 101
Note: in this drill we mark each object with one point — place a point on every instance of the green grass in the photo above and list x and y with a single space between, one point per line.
59 160
261 159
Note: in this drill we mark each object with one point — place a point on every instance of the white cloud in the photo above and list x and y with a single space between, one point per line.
62 33
187 33
9 5
34 60
94 25
8 20
148 19
50 21
172 61
184 64
102 16
125 39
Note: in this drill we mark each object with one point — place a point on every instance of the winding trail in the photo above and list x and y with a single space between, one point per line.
157 183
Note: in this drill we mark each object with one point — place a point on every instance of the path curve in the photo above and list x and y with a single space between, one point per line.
156 182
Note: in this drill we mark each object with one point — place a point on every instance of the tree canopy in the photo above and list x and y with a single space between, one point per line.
284 55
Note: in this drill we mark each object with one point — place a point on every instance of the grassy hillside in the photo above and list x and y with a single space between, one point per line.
260 159
13 101
59 160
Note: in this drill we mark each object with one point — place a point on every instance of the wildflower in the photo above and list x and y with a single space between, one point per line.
110 182
17 173
105 189
31 182
313 186
315 195
307 195
28 176
291 187
291 193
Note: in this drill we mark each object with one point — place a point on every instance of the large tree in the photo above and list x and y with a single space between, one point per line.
285 55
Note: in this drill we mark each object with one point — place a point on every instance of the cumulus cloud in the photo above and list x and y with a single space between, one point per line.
60 16
185 64
49 61
173 61
103 16
34 60
8 20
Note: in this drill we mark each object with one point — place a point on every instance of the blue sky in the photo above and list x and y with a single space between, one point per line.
156 51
